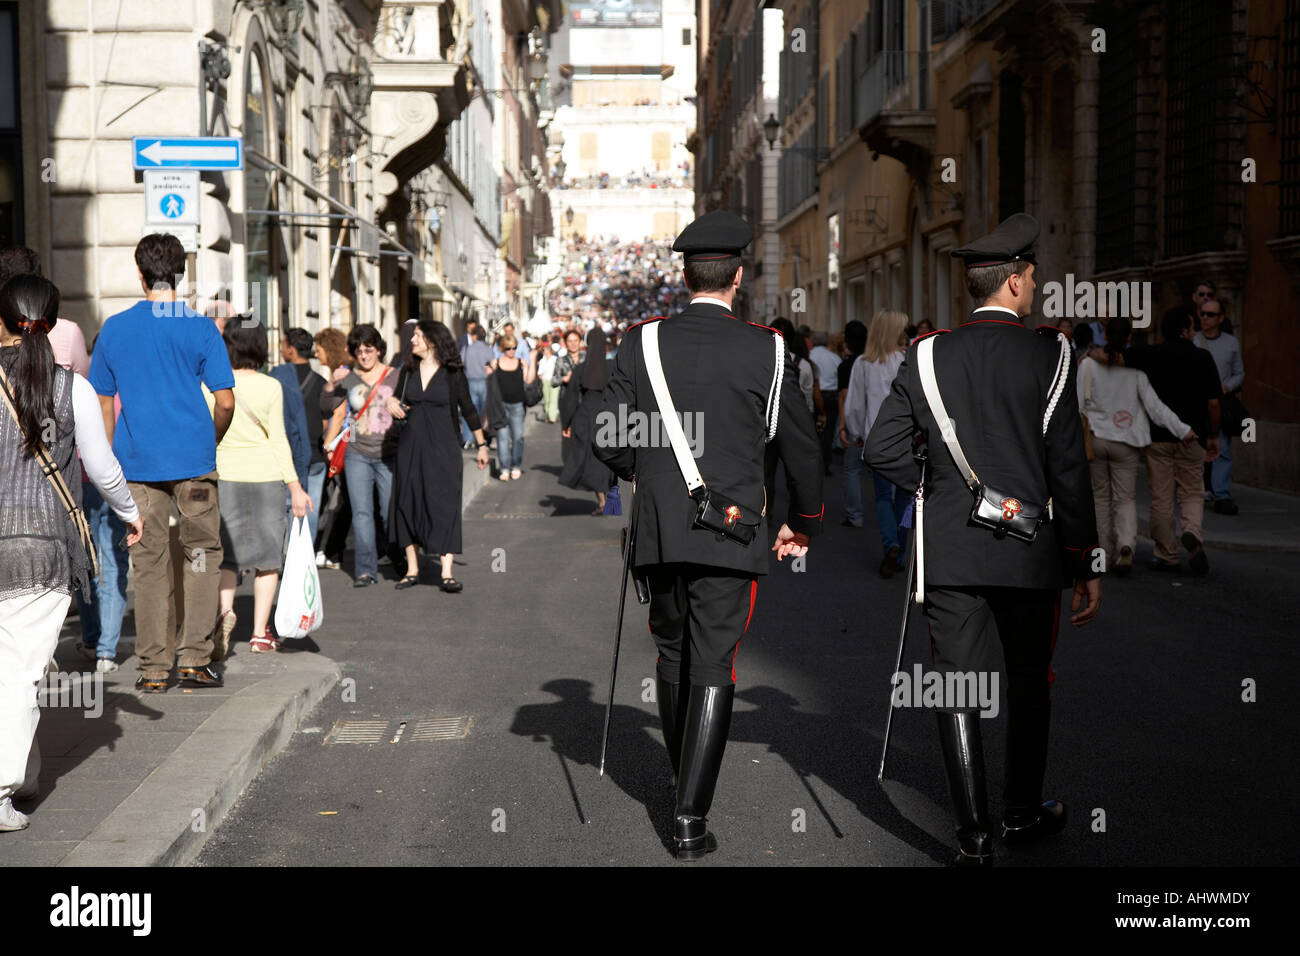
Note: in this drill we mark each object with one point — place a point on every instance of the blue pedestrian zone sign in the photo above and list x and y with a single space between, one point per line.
172 206
187 152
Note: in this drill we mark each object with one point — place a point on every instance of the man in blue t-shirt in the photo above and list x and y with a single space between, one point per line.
155 357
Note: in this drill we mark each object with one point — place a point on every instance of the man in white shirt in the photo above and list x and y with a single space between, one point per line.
827 365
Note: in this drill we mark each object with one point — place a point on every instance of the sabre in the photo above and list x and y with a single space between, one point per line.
618 628
912 572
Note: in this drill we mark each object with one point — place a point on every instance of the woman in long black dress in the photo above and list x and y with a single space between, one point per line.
582 468
432 395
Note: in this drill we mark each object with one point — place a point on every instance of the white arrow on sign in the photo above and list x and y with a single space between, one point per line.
158 153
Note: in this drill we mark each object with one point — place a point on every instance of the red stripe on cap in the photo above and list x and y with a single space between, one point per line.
725 255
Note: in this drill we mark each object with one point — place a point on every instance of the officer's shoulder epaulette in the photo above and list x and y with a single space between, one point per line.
765 328
930 333
1048 330
654 318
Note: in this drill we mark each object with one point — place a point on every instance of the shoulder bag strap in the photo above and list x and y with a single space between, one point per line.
925 363
374 389
667 411
249 412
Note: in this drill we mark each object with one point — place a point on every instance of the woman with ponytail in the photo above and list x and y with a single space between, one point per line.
42 558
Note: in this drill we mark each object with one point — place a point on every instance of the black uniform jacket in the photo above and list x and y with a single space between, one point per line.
994 375
719 371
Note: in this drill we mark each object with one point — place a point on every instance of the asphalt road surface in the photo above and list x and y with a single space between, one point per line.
1154 748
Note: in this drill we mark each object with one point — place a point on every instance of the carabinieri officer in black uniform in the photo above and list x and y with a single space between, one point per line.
733 381
1019 430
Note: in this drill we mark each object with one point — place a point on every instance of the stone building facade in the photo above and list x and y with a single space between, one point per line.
365 149
1155 141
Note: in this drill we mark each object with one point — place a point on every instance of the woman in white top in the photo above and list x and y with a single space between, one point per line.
42 559
1119 404
869 383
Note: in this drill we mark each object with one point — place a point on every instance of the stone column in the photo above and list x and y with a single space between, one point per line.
1086 88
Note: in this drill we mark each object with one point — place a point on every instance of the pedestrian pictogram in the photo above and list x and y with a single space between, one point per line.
171 197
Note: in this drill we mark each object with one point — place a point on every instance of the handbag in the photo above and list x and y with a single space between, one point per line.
1004 514
714 512
532 392
394 434
339 454
55 476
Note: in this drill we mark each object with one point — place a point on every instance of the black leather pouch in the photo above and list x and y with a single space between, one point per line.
725 517
1005 514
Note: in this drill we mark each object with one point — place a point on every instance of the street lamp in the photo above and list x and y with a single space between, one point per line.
358 82
568 215
285 17
771 127
559 169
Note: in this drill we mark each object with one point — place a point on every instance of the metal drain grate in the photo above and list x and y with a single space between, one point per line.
357 732
504 515
441 728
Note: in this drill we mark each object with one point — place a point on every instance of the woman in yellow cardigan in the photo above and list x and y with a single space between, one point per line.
254 465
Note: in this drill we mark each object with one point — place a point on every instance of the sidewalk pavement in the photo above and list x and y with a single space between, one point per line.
133 779
1268 520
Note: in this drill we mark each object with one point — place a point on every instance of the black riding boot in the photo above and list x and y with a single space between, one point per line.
672 703
704 738
963 762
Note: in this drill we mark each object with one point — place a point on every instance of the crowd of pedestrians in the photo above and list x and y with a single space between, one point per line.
1176 404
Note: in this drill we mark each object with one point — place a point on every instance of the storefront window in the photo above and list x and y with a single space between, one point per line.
267 262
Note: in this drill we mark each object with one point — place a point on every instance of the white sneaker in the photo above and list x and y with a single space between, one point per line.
105 665
320 559
11 819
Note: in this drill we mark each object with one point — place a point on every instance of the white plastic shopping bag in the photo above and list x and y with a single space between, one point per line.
298 610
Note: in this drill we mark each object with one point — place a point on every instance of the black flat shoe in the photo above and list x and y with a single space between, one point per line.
410 581
364 581
451 585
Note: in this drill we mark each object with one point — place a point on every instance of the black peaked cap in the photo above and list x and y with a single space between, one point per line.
1011 241
715 235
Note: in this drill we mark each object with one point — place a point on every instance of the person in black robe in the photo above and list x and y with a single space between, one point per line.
578 408
432 395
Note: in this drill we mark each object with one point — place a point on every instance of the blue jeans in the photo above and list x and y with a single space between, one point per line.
363 476
315 488
478 395
853 466
891 504
1221 469
510 437
101 621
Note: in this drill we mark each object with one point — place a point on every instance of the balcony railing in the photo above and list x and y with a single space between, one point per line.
895 81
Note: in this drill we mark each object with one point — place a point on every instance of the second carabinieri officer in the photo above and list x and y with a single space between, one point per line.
1008 520
701 514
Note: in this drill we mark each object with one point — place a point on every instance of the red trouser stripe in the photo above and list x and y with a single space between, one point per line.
1056 630
753 593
